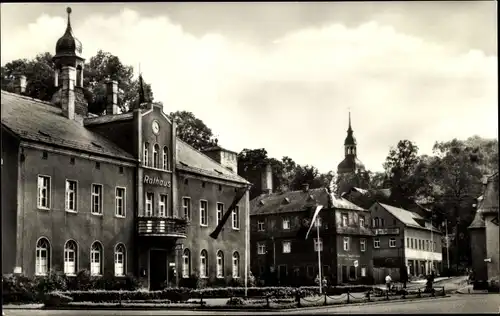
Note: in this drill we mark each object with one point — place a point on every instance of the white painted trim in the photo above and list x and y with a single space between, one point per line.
77 256
49 195
102 258
206 212
125 258
124 202
50 255
92 202
217 264
66 195
79 154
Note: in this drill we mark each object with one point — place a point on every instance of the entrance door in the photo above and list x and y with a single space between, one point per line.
344 274
282 273
157 269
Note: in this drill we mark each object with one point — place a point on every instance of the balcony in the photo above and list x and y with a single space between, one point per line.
162 227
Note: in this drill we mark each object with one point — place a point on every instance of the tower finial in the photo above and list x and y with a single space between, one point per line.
68 10
349 118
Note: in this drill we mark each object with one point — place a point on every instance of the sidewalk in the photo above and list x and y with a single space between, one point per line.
469 289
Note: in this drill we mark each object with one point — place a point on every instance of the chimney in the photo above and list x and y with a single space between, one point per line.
19 83
305 187
111 97
267 180
68 75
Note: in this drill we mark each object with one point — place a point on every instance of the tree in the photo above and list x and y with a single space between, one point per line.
192 130
39 73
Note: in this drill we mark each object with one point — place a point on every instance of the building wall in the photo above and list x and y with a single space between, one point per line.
229 240
58 225
419 234
478 253
9 184
492 250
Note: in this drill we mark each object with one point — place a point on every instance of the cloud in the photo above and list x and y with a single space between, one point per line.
291 95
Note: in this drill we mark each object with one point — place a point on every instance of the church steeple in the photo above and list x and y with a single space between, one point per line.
350 141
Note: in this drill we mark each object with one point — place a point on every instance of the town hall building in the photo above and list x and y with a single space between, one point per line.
115 194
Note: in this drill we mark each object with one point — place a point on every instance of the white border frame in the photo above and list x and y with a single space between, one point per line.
92 202
124 202
66 195
49 195
206 212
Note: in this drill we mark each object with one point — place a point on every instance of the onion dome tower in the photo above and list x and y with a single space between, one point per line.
350 164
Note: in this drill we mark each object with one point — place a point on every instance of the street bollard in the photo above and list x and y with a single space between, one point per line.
404 293
444 293
348 296
325 298
267 301
387 295
368 295
201 298
419 295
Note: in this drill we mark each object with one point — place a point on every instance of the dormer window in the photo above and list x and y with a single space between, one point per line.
145 156
286 223
156 156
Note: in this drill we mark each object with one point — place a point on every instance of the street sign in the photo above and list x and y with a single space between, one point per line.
355 263
487 260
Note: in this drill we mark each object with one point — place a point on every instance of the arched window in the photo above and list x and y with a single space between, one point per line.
96 259
156 156
203 264
70 257
165 158
120 260
42 257
146 154
236 265
186 263
220 264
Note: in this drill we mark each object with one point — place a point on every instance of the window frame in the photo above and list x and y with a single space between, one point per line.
261 246
124 260
283 248
259 222
204 264
361 221
165 159
286 220
219 212
186 209
99 196
203 213
67 192
362 244
101 258
392 242
162 203
235 218
123 199
376 243
346 242
345 219
236 265
145 154
186 268
156 156
48 189
219 268
48 261
75 258
149 203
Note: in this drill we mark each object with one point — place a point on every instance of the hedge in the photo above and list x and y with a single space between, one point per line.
183 294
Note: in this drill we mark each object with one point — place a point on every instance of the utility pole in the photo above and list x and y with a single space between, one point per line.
447 245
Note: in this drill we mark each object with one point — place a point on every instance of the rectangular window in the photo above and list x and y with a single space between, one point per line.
318 244
97 199
260 226
220 212
185 265
419 244
435 246
427 245
287 246
261 248
286 223
186 206
71 191
203 213
162 211
236 218
345 220
148 210
363 271
392 242
120 202
362 244
376 243
43 192
361 221
69 261
407 242
346 243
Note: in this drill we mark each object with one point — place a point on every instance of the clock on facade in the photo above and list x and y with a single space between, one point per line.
156 127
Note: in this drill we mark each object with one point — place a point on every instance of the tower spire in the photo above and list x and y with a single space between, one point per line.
68 26
350 128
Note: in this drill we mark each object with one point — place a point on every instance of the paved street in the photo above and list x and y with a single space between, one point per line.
487 303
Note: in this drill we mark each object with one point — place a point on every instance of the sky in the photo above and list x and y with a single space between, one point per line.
284 76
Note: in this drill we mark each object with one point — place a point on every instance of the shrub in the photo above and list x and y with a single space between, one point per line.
18 289
235 301
54 299
54 281
190 282
83 281
217 282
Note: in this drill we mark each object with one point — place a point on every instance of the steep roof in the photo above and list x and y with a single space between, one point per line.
190 159
297 201
408 218
39 121
489 203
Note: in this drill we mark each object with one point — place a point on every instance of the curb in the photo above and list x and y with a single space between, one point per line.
222 309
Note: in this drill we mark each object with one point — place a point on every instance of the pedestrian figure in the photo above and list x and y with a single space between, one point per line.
325 282
388 281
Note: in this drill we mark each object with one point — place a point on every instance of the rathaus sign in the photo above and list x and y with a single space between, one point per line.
156 181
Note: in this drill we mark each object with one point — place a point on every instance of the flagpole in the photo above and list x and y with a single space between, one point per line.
247 220
319 255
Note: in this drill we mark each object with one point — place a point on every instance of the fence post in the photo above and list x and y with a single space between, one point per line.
201 298
404 293
419 295
444 293
348 300
368 295
267 300
387 294
297 298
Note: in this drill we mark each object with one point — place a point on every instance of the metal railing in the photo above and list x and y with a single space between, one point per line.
162 226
